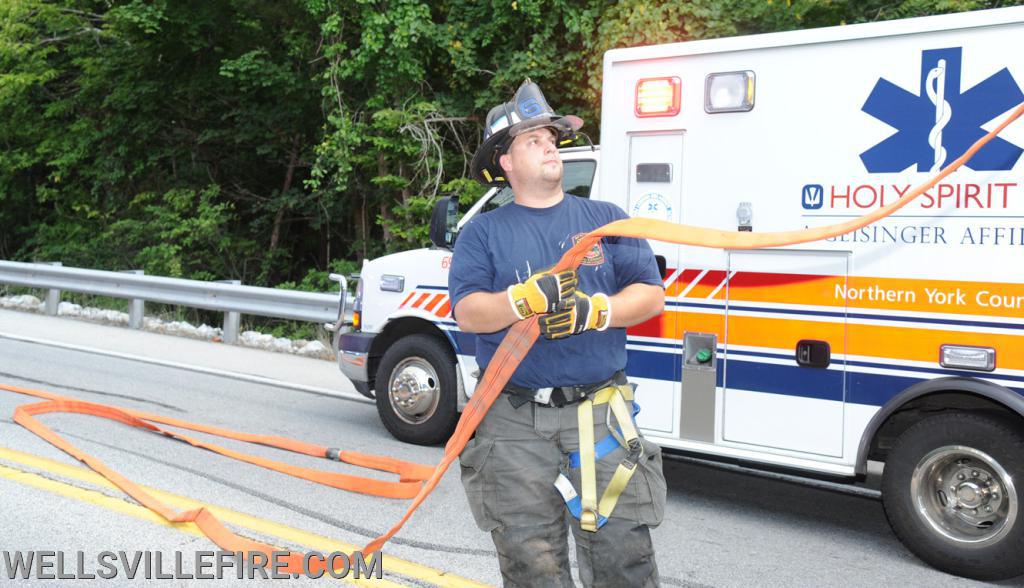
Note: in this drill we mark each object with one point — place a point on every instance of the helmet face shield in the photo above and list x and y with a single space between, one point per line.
561 125
527 110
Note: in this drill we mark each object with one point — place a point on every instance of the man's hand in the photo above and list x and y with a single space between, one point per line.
577 314
542 292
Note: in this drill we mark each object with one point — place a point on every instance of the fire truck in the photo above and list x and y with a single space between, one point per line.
899 346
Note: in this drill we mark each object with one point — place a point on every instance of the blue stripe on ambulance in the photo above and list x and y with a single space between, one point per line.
792 380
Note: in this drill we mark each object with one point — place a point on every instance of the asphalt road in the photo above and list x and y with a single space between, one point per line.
721 529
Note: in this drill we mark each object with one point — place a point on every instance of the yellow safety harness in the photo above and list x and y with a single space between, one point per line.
585 506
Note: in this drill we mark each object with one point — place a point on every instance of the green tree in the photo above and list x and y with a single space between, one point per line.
113 102
272 141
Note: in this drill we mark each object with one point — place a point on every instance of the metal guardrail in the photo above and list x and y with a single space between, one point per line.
229 297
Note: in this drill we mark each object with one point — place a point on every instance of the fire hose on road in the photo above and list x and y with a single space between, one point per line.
418 481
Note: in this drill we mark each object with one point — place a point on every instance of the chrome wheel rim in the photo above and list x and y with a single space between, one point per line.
414 391
964 495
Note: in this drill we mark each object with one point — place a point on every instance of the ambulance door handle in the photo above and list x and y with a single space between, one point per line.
811 353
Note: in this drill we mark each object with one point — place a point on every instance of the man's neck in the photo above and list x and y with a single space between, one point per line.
538 198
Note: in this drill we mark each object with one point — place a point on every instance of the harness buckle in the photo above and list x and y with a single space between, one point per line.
635 450
588 519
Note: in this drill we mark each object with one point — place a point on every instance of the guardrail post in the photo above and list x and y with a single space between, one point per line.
52 295
232 319
136 306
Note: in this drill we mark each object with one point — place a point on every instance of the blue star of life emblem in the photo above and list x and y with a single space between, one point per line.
940 123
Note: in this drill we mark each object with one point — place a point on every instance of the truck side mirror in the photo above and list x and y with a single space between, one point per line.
443 222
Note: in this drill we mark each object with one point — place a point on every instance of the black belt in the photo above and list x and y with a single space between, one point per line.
559 396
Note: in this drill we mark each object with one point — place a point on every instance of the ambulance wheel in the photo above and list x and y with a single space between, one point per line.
416 390
952 489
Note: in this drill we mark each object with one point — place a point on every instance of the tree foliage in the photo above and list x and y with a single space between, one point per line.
274 141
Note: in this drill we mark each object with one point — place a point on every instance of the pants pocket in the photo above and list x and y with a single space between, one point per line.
652 476
477 482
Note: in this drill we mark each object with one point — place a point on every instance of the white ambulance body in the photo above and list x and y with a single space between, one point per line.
840 124
902 342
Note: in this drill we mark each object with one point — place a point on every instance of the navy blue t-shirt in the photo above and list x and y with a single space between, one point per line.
506 245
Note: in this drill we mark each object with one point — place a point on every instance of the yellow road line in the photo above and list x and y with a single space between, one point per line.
120 506
94 498
288 534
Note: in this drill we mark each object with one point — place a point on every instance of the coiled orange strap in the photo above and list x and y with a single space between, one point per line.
418 481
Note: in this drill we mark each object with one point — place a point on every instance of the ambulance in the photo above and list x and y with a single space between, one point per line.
899 345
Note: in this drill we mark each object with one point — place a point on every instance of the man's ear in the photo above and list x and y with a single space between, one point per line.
505 162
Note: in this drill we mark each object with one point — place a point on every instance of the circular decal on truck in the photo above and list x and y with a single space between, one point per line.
653 205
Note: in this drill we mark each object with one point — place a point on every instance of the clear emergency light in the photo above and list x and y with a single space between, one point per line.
391 283
967 357
658 97
729 92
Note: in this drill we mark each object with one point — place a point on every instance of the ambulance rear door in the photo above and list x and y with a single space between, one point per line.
655 190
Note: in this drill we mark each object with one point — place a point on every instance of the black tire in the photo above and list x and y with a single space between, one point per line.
971 526
421 407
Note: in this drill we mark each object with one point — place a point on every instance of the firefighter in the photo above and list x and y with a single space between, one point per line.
559 449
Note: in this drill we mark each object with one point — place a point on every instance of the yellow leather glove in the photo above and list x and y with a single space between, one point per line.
541 293
579 313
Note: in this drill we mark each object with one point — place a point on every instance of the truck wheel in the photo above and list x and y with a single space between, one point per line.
952 489
417 389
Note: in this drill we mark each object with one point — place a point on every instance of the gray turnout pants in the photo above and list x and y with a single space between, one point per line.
508 471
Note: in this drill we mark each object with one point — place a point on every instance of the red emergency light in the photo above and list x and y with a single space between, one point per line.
658 97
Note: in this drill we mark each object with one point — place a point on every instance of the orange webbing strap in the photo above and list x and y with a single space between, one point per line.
509 355
204 519
294 562
521 336
411 474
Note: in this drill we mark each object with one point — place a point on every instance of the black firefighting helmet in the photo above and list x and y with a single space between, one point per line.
527 111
